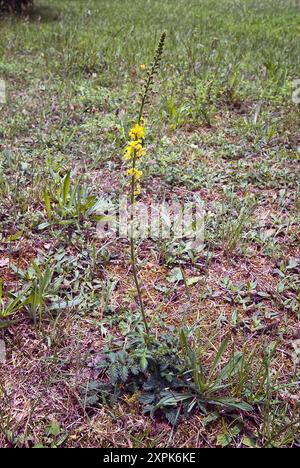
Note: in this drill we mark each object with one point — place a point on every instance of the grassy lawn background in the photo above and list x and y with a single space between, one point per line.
221 124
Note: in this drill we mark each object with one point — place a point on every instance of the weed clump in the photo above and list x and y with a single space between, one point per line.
17 6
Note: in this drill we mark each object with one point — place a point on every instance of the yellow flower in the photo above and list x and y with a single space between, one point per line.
137 189
137 132
128 152
135 150
142 66
136 173
134 147
141 152
132 399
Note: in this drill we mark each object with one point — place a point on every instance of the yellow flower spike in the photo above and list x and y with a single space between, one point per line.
138 132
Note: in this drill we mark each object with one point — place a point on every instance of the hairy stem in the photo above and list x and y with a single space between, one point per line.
132 249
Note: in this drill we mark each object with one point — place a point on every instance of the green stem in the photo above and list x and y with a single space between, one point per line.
132 249
147 87
138 288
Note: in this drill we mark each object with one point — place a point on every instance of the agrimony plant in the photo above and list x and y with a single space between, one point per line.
134 151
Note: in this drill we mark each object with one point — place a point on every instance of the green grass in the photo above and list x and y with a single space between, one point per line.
221 124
